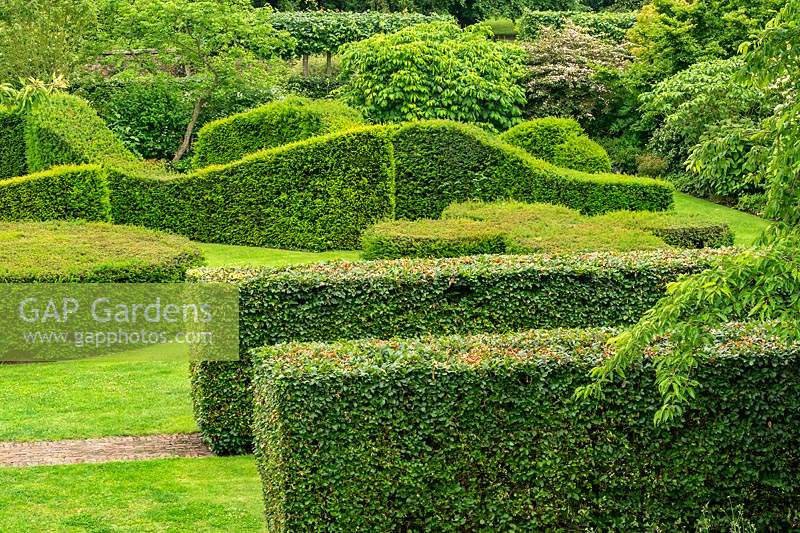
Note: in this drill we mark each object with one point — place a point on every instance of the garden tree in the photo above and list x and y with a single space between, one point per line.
42 38
671 35
221 46
703 102
569 73
432 71
761 284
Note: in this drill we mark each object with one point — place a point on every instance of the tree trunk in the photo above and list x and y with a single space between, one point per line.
328 64
305 66
187 137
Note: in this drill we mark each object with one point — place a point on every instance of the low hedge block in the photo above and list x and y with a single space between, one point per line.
431 238
441 162
12 144
408 298
318 194
484 434
472 228
91 252
268 126
57 194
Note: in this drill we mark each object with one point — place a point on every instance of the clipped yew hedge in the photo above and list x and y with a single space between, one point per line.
484 434
415 297
318 194
60 193
273 124
12 144
440 162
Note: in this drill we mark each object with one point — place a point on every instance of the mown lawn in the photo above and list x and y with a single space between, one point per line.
208 494
218 255
746 228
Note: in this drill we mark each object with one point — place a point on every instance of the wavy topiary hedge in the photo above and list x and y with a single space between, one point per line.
60 193
560 141
483 434
441 162
89 252
317 194
12 144
414 297
294 119
473 228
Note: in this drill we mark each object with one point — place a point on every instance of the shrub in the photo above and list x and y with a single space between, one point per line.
268 126
431 238
79 251
559 141
483 433
651 165
413 297
512 227
57 194
607 25
317 194
440 162
12 144
582 153
435 71
571 73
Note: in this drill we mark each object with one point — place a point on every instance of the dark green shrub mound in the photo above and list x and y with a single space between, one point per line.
560 141
607 25
440 162
431 238
317 194
80 251
12 144
484 434
57 194
270 125
472 228
64 130
413 297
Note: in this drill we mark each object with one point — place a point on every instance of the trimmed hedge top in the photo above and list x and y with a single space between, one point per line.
91 253
560 141
440 162
484 434
273 124
472 228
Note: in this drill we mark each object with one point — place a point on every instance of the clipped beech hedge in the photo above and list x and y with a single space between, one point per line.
268 126
484 434
318 194
91 252
12 144
57 194
440 162
415 297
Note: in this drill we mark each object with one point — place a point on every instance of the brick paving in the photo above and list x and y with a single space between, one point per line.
101 450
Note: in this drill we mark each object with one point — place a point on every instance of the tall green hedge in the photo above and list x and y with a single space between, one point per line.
440 162
607 25
317 194
318 32
57 194
484 434
414 297
273 124
12 144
